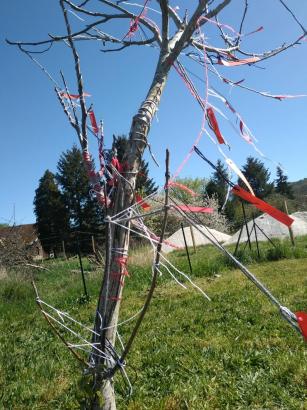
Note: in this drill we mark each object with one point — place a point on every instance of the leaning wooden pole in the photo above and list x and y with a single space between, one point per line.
120 234
156 266
291 234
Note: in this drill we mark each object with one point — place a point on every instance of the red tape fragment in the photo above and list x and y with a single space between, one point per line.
73 96
214 125
153 236
302 322
141 202
190 208
93 122
122 262
183 187
255 31
263 206
238 62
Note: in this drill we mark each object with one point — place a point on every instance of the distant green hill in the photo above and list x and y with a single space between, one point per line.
300 190
299 187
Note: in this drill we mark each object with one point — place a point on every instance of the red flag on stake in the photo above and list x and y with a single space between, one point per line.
214 125
302 322
263 206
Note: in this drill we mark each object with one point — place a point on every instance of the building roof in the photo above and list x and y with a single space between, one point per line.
27 233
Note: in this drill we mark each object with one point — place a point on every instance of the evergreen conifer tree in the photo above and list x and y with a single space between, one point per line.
217 186
84 213
258 176
51 215
282 185
144 184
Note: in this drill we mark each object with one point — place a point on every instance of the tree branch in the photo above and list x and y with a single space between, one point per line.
84 142
127 13
165 16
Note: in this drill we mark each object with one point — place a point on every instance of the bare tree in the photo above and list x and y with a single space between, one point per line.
173 34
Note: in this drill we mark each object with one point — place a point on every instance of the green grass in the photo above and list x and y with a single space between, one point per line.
234 352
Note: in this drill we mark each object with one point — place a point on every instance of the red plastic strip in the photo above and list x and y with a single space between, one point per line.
183 187
121 260
88 165
93 122
214 125
141 202
116 164
261 28
134 22
302 322
263 206
73 96
243 133
169 243
238 62
190 208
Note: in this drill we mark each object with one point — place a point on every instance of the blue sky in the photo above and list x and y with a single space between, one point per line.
34 130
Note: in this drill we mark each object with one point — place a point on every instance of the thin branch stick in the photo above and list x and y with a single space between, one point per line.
79 78
127 13
165 11
70 119
155 272
37 266
77 356
242 21
293 15
70 100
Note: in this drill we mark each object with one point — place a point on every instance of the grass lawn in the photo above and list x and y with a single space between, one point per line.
235 352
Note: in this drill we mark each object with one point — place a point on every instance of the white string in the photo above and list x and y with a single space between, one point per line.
148 236
135 205
61 313
172 275
123 322
186 277
76 334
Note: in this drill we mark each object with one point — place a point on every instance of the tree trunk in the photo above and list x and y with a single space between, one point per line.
118 237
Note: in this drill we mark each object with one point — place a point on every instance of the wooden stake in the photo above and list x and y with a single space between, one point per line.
290 228
193 238
186 248
246 226
93 245
82 271
63 250
155 270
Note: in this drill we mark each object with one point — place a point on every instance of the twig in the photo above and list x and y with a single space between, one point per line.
79 77
37 266
77 356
